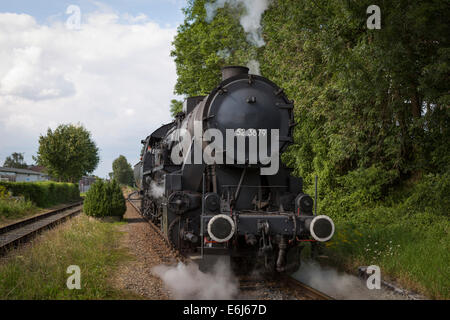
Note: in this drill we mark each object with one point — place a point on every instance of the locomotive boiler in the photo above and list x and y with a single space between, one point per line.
213 181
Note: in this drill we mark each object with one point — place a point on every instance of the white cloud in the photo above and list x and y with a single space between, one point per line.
28 78
114 75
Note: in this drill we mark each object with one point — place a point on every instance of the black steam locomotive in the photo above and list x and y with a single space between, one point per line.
207 179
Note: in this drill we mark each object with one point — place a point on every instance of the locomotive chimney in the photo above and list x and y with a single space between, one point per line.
231 71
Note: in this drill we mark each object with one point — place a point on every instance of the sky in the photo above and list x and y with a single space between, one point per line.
112 72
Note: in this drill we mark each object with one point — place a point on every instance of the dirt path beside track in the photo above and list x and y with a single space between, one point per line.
148 250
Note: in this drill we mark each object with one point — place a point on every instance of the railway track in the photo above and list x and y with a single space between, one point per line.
301 291
280 287
19 232
135 205
259 288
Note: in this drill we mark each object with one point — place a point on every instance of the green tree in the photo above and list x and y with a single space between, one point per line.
122 171
372 105
15 160
68 152
364 99
175 107
202 48
117 199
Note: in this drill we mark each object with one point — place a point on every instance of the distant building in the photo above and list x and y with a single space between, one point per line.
21 175
85 183
37 168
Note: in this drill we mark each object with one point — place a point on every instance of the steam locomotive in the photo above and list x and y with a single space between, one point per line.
213 181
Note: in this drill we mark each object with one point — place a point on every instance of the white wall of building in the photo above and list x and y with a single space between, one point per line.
20 177
23 177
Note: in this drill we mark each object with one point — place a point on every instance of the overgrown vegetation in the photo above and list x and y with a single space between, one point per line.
13 209
40 271
44 194
104 199
373 113
407 235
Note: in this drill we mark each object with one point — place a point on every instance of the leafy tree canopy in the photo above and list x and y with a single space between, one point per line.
364 98
202 48
68 152
122 171
371 105
15 160
176 106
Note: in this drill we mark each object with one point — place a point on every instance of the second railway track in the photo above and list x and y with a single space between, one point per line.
279 287
19 232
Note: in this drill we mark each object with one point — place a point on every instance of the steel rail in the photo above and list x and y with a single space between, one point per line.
21 231
304 289
179 256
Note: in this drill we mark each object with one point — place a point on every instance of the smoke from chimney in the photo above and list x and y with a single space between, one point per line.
250 20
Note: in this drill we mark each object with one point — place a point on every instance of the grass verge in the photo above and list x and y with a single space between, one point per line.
15 209
406 233
413 249
39 271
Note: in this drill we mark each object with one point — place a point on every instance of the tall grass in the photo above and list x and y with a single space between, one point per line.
15 209
408 236
418 258
39 272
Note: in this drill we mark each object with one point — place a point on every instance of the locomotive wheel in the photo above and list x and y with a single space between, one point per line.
154 213
147 207
174 233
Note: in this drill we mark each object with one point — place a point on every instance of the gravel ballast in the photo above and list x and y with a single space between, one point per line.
148 250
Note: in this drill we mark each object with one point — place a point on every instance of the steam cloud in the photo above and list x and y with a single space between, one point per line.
156 190
224 54
253 65
336 284
188 282
250 21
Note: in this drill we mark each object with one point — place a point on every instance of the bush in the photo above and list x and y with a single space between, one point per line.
104 199
44 194
431 194
368 184
3 192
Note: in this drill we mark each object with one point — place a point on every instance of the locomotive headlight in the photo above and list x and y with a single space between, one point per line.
321 228
221 228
